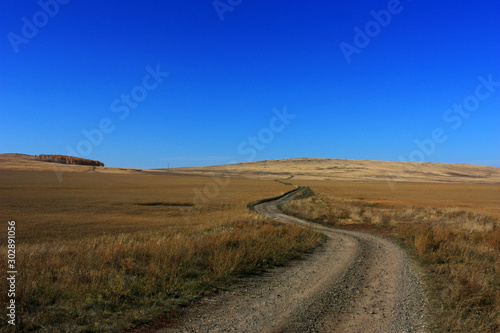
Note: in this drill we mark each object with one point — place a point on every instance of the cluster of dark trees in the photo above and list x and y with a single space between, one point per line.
67 160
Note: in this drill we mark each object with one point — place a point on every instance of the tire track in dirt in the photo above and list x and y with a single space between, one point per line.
354 282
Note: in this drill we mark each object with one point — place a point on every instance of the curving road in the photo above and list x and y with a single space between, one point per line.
354 282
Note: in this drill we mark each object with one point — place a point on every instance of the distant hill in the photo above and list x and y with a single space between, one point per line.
296 169
23 162
352 170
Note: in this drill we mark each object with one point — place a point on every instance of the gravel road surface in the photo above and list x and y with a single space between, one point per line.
354 282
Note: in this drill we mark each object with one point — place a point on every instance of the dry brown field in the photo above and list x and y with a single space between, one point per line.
482 198
88 204
354 170
453 229
109 248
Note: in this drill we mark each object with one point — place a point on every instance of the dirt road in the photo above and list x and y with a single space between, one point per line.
354 282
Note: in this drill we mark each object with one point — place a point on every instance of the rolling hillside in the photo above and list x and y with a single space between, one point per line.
353 170
298 169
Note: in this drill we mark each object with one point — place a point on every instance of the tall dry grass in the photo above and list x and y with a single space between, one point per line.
103 252
459 249
115 282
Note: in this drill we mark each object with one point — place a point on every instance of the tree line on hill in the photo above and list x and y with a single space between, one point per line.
63 159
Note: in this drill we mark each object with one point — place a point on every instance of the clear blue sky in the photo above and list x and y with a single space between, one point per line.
82 66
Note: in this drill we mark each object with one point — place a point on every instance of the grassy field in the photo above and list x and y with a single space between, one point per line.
111 248
454 229
89 204
103 251
321 169
482 198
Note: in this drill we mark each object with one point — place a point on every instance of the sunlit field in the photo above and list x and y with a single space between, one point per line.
482 198
151 150
90 204
109 251
454 230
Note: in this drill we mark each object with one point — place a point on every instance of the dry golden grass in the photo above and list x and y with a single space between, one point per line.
482 198
354 170
108 248
459 248
90 204
115 282
107 251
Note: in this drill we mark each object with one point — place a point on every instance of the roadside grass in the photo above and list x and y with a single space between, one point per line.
116 282
459 249
104 252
